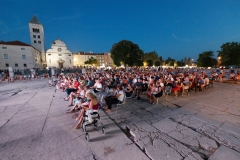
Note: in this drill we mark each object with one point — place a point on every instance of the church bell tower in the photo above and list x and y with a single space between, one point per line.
37 37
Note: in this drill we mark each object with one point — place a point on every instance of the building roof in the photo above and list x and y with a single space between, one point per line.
34 20
16 43
58 43
93 54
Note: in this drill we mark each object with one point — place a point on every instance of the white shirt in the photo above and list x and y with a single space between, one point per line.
120 98
99 85
112 92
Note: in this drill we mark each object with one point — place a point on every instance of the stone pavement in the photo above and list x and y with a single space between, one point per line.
34 125
204 125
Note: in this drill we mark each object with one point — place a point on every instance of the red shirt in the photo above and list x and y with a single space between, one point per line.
76 84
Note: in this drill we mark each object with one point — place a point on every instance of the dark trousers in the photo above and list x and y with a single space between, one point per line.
111 101
69 90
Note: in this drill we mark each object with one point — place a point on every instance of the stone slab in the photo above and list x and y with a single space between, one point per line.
224 153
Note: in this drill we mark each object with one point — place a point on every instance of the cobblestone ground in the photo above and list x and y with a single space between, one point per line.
203 125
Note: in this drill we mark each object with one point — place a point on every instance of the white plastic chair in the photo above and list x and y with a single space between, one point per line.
120 104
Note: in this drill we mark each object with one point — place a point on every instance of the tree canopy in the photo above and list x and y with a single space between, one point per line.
126 52
154 57
229 54
205 59
169 61
149 62
91 61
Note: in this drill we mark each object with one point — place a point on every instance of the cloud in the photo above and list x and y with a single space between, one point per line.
65 18
183 39
178 21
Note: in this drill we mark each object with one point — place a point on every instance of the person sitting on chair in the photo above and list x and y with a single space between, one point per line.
118 99
97 86
129 91
138 88
157 93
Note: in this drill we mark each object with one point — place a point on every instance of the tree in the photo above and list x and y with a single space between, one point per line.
169 61
189 61
126 52
153 56
161 60
229 54
91 61
205 59
149 62
180 63
150 55
175 64
157 63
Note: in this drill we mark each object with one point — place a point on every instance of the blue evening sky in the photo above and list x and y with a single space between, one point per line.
172 28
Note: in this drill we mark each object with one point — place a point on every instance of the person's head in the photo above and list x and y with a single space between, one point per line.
90 96
81 87
119 88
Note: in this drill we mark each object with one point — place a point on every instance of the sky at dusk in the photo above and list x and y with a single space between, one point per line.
172 28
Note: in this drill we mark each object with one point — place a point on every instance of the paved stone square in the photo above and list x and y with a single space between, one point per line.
205 125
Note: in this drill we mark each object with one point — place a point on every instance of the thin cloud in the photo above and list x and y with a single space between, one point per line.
65 18
183 39
173 23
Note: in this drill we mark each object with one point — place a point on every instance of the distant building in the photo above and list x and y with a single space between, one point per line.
37 37
103 59
59 56
19 55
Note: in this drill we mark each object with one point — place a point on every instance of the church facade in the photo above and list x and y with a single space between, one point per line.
59 56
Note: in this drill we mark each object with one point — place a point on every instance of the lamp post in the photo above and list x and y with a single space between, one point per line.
219 61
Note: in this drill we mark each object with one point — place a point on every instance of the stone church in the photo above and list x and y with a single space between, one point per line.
59 56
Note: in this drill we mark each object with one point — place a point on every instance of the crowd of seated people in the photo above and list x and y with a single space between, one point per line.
112 86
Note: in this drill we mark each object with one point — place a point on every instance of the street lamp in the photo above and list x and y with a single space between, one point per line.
219 61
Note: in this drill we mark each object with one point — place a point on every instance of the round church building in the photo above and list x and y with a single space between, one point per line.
59 56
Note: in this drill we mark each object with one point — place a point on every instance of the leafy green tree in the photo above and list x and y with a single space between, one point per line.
205 59
126 52
91 61
149 62
157 63
150 55
175 64
153 56
229 54
161 60
182 63
189 61
169 61
139 63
